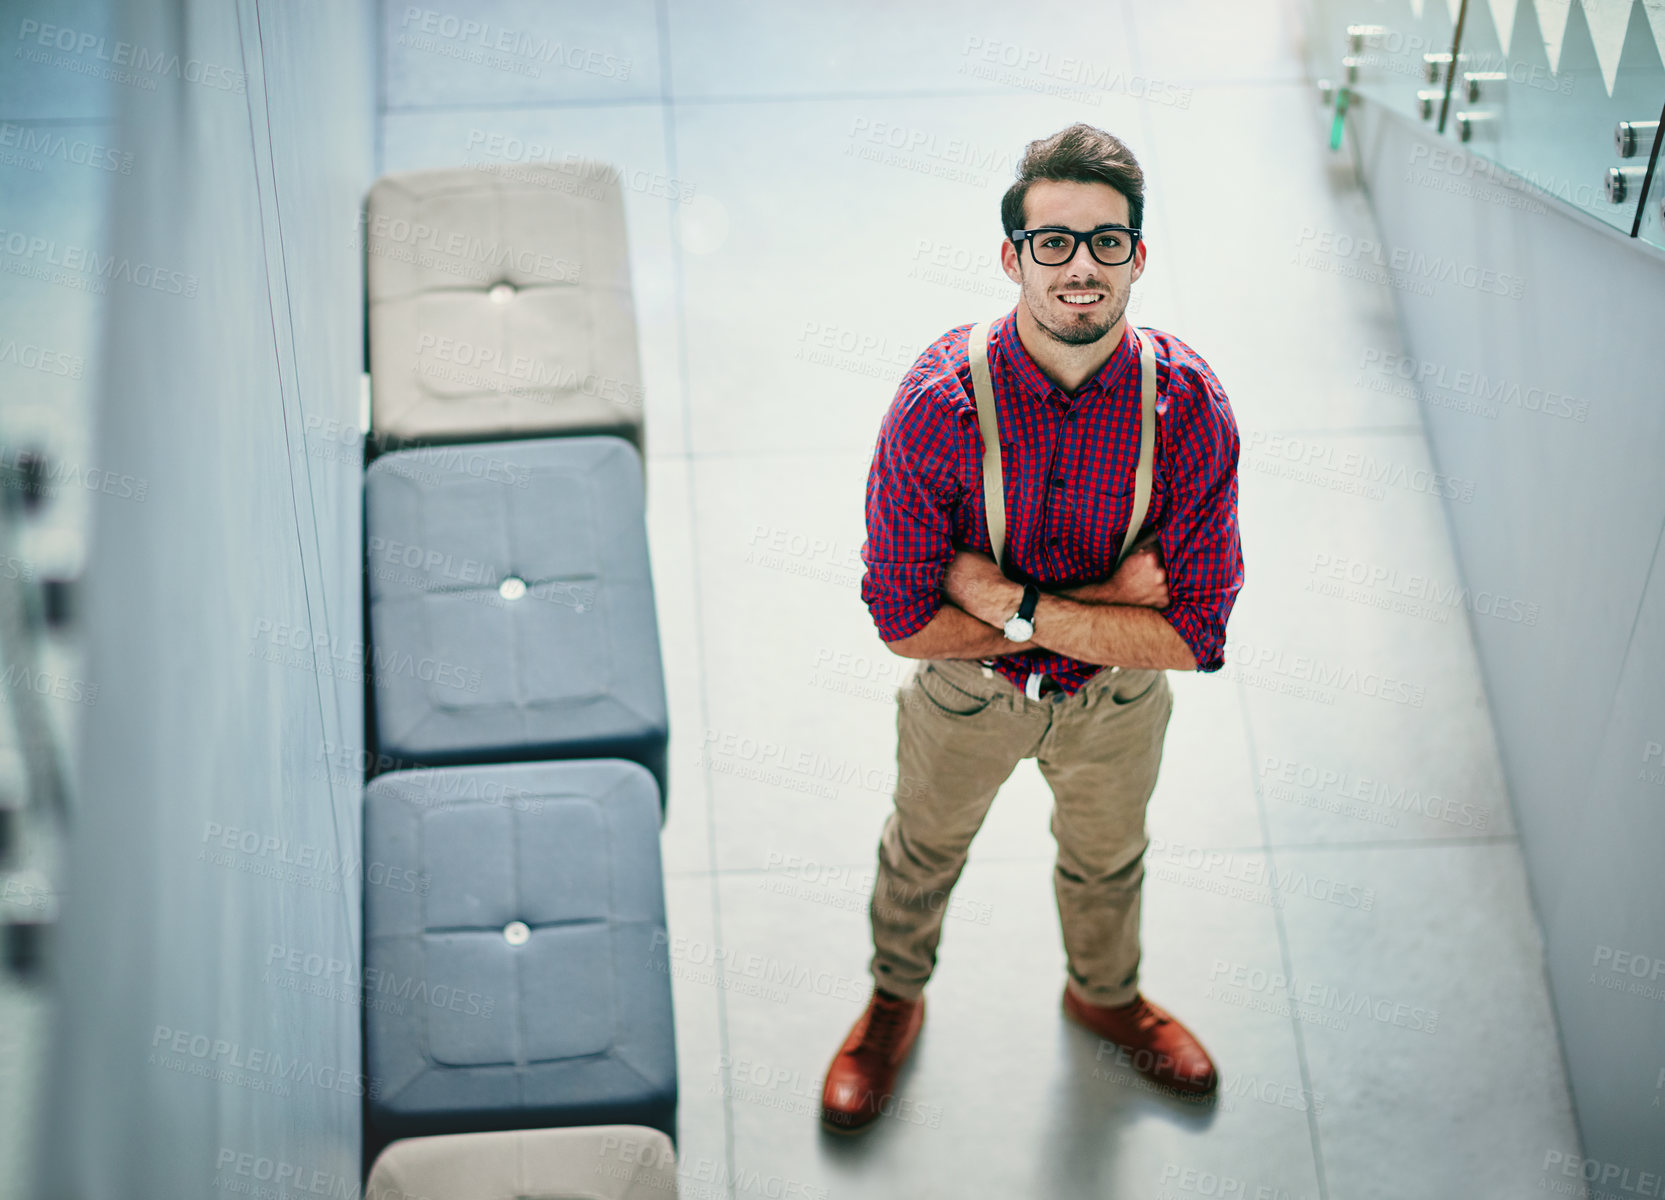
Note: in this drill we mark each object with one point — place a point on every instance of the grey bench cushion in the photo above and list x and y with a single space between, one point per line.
605 1162
569 669
468 1024
500 305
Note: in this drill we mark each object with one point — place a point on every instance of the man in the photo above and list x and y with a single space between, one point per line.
1061 656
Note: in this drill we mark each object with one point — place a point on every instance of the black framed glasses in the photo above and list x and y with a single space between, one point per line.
1053 245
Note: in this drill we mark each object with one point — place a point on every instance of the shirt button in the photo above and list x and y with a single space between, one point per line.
1057 481
1051 541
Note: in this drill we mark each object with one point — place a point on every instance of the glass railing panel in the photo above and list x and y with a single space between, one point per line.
1542 86
1393 52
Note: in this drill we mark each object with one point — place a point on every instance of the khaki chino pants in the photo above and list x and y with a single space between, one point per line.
960 734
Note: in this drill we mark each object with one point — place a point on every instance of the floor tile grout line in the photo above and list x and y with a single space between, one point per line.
679 292
1283 948
1254 780
1339 431
1477 840
719 98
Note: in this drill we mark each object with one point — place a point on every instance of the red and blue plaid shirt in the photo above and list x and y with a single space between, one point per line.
1069 462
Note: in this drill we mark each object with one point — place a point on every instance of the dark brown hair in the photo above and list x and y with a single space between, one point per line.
1079 154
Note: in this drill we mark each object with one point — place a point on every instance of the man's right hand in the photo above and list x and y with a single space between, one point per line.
1141 580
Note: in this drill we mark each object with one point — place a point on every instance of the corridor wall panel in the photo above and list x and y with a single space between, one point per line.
1540 386
216 854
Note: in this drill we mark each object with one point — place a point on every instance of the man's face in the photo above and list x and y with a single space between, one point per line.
1079 301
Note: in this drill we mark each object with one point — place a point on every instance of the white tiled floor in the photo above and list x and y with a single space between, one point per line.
805 262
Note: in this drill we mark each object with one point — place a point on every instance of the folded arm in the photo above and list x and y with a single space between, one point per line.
955 633
1200 557
1102 631
930 600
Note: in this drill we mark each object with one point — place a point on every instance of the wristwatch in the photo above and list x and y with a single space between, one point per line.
1020 626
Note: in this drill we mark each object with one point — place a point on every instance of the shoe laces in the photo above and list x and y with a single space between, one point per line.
1146 1018
886 1021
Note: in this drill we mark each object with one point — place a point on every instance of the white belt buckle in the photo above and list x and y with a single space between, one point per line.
1032 689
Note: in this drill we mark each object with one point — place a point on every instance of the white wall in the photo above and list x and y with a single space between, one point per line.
1566 518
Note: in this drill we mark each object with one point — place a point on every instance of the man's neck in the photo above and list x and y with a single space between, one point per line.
1068 366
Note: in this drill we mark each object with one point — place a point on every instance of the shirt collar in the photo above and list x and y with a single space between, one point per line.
1033 381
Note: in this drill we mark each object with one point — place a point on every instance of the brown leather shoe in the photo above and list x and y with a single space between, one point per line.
863 1072
1158 1046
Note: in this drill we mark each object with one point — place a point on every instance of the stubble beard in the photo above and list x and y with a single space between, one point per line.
1076 333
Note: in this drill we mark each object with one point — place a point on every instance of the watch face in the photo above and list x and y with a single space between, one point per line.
1018 629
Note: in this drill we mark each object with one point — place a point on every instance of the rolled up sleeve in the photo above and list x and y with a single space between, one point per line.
909 517
1200 545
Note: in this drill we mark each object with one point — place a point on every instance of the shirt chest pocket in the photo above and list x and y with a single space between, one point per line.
1101 511
1105 514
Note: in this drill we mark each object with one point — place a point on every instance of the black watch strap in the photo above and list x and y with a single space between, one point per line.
1031 597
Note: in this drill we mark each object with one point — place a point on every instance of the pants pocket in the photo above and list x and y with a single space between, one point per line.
1132 686
943 696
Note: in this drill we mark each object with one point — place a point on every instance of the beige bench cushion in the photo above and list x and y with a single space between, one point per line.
590 1162
500 306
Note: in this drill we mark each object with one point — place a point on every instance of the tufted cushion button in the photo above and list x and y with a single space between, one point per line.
513 587
502 293
516 933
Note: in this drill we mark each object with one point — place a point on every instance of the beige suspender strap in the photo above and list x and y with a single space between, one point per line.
994 485
1147 441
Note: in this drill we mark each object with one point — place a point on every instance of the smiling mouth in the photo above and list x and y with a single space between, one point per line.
1080 299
